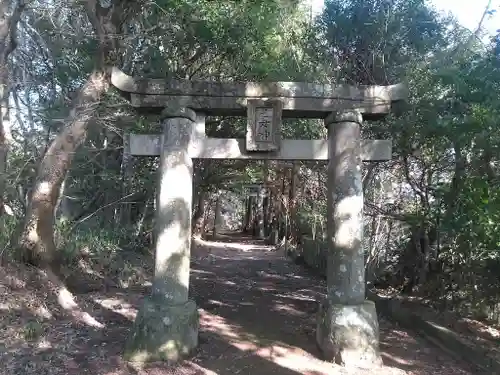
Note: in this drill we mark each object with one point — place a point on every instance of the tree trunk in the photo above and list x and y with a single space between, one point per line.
199 214
456 183
294 230
36 240
283 205
63 206
37 235
246 219
124 213
149 202
8 41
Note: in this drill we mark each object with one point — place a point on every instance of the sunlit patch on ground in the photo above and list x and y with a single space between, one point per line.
219 325
287 309
118 306
268 289
396 359
196 271
297 296
219 303
285 356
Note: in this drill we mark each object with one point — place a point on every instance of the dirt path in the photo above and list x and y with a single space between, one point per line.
257 313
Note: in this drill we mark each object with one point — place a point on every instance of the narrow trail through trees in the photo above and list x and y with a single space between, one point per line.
258 313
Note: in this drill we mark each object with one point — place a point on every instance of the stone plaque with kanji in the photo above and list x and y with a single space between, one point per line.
263 126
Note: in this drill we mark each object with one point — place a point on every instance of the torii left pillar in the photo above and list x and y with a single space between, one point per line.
166 326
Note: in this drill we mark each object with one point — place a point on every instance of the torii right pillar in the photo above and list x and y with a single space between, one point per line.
347 327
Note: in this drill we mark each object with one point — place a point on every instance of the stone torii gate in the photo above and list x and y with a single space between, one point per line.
166 326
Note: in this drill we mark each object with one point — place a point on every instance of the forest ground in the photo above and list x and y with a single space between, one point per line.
257 316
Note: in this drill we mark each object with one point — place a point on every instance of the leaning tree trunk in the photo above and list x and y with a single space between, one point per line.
36 240
37 237
8 42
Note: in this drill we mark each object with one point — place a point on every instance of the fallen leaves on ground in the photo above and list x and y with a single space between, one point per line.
257 315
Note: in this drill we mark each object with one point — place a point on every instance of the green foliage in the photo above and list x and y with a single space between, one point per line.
312 219
475 223
372 42
32 330
118 255
9 225
198 39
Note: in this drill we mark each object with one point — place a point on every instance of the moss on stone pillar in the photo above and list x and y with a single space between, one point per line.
349 334
162 332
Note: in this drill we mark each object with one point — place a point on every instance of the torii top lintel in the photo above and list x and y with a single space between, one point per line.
299 100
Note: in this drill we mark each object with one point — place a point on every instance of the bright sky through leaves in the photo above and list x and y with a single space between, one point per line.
468 12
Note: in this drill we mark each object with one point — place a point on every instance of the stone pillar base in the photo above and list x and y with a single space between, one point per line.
162 332
349 335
